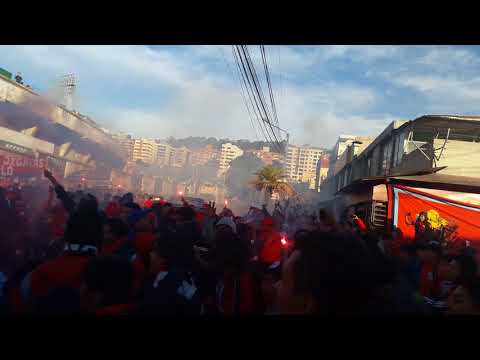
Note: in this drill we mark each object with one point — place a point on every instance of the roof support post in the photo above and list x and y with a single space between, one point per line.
444 143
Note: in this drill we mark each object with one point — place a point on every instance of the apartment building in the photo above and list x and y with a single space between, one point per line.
301 164
204 155
145 150
267 156
322 170
126 142
164 153
181 156
228 153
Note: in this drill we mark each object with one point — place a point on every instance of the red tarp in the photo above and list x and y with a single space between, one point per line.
412 211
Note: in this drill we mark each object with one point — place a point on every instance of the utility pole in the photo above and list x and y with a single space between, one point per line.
287 135
286 145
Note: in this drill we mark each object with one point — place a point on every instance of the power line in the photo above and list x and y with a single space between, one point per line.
259 92
268 118
257 106
255 109
242 94
268 113
254 90
267 75
282 93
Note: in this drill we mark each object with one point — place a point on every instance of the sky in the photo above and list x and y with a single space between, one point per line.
320 91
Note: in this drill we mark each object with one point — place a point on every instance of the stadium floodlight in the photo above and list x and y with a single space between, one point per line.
68 83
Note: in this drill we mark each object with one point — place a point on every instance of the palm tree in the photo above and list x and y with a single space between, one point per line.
270 179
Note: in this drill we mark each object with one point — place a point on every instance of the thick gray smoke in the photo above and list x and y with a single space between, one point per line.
37 112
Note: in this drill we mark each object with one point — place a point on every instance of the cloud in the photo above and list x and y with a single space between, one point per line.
321 91
107 61
448 93
441 59
207 108
202 109
327 127
319 115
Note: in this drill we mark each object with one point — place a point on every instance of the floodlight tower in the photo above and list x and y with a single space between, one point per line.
68 83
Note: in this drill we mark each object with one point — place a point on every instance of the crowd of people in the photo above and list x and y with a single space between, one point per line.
64 253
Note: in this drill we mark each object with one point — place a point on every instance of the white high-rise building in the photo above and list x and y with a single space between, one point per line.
165 153
229 152
301 164
126 142
181 156
145 150
338 158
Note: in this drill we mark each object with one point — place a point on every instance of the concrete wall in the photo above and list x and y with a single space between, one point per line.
77 124
27 141
13 92
461 158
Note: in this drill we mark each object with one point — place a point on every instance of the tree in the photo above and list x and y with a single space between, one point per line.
240 174
270 179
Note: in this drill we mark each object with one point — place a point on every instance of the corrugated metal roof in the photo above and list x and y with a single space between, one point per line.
456 123
453 117
435 180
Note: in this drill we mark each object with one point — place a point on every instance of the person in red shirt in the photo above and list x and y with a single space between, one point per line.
148 203
115 237
56 216
271 250
82 239
113 210
143 241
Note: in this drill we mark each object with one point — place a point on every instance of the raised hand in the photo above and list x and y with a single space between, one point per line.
50 177
211 209
47 174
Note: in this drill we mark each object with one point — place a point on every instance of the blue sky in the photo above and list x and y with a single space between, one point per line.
321 91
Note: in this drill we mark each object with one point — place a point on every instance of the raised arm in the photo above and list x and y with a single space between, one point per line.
67 202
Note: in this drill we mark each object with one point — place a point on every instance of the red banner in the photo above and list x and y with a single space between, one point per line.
22 166
417 214
14 165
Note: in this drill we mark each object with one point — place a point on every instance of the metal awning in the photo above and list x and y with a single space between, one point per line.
440 182
361 184
431 180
